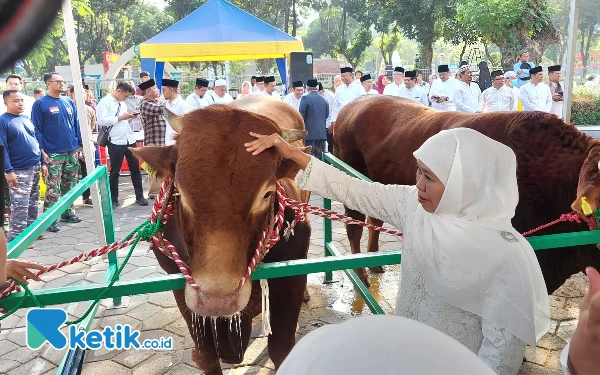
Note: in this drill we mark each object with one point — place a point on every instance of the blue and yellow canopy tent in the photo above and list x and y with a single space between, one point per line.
217 31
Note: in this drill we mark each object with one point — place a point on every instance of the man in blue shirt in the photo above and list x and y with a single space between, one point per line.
59 137
522 68
22 160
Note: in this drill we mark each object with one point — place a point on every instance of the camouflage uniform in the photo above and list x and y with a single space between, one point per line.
63 170
24 201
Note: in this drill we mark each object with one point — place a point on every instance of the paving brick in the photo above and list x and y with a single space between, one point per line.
35 366
131 358
161 319
183 369
106 367
159 363
21 355
164 299
144 311
17 336
539 357
7 365
7 346
566 329
113 321
551 342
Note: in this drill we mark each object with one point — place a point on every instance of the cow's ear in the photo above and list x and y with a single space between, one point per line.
159 160
289 168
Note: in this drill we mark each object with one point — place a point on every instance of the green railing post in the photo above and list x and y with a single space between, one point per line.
328 235
109 224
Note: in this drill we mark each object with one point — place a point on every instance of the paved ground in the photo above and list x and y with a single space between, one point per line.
156 315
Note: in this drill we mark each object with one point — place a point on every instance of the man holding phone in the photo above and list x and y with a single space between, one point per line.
112 114
556 90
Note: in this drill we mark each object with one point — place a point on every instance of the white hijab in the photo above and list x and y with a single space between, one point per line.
468 252
381 344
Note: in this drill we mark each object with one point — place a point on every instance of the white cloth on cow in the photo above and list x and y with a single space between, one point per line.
380 344
460 246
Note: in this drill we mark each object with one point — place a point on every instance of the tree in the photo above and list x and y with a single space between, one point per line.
511 31
336 33
388 42
418 20
589 23
178 9
456 33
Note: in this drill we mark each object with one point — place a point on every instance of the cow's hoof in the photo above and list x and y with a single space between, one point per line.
377 269
208 369
306 295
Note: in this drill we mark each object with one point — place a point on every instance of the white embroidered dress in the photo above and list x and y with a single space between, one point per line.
396 204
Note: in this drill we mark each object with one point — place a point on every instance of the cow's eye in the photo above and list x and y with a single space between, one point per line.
268 194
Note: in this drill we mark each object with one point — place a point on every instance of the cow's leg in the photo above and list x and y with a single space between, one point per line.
373 245
285 301
204 353
354 233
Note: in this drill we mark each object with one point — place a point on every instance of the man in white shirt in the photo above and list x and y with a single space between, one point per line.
294 97
367 83
498 97
111 112
253 84
198 99
394 87
508 82
345 93
219 94
535 95
260 85
15 82
175 104
412 90
422 83
441 93
556 90
467 96
270 87
330 98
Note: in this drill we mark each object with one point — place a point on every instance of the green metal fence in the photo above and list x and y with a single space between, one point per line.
332 261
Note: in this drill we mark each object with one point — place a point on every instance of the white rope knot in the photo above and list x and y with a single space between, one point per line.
266 310
289 231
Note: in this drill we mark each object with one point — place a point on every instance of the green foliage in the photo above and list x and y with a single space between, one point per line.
388 42
585 108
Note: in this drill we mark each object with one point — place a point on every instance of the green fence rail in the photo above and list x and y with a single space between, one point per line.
332 260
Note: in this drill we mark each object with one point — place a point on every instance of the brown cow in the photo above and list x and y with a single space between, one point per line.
377 136
227 197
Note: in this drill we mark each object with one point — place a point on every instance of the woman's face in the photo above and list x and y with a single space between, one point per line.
385 80
430 188
245 87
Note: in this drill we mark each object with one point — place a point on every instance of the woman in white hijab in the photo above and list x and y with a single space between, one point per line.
465 270
246 89
382 345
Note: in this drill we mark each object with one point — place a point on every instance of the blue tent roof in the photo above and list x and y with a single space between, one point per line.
219 21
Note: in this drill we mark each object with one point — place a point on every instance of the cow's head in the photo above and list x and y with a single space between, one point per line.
227 198
589 183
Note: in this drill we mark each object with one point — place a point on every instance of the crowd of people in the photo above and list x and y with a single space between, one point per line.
42 136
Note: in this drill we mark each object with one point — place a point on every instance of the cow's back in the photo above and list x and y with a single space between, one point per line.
377 135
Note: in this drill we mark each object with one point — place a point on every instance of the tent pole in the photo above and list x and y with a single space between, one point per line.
227 72
81 114
571 58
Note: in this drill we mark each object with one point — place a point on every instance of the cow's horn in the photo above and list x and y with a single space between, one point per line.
291 135
173 119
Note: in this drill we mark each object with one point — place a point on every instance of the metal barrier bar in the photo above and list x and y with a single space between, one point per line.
78 293
17 246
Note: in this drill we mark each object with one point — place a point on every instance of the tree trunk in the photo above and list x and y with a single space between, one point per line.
563 51
27 68
507 58
462 51
487 52
427 54
585 53
294 18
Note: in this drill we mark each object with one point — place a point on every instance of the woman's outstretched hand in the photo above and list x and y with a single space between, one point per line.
264 142
286 150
